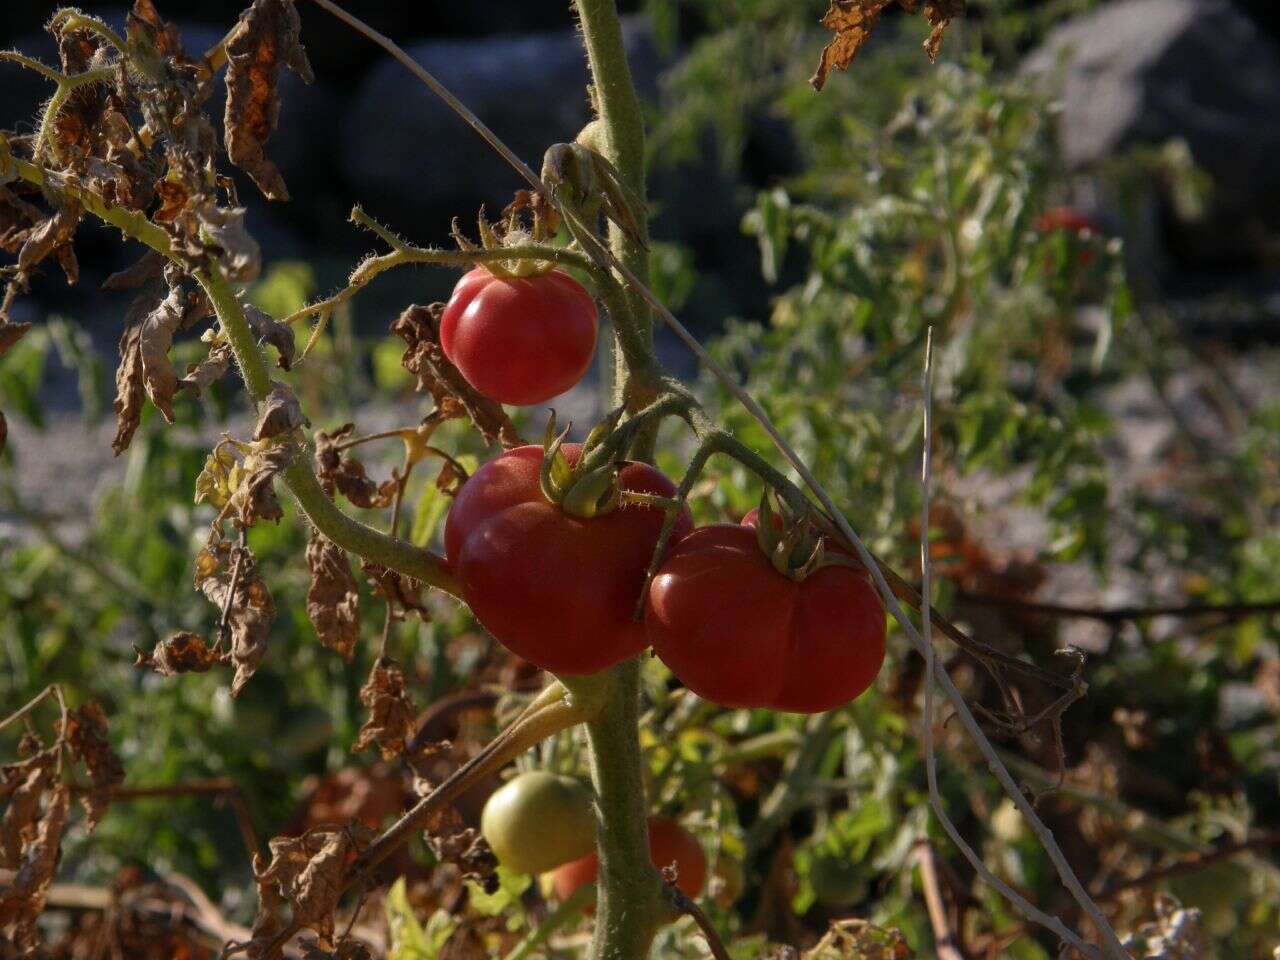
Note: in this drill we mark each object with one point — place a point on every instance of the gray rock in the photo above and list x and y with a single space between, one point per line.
405 152
1147 71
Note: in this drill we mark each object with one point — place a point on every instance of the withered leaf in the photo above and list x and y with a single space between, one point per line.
155 337
183 652
223 232
52 236
86 734
23 900
281 413
24 787
852 21
419 327
347 474
212 368
254 498
150 266
11 333
309 871
129 388
17 217
464 847
391 713
401 592
939 13
333 599
266 37
347 949
250 609
268 922
270 330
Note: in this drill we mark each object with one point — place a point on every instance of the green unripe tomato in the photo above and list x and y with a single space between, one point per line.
536 821
836 881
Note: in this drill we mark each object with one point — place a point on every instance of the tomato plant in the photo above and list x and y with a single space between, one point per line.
538 820
557 589
519 340
737 631
669 844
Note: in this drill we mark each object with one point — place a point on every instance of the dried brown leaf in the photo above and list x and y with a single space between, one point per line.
212 368
333 599
419 327
266 38
155 337
23 900
940 13
24 787
391 713
129 388
347 475
11 333
464 847
150 266
52 237
183 652
401 592
250 609
309 872
86 734
17 217
281 413
254 498
270 330
852 21
223 233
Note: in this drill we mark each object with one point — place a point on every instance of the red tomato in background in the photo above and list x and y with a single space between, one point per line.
668 843
556 589
519 340
1065 218
1069 220
737 632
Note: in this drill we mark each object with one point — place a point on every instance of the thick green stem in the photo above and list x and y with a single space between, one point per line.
619 137
346 532
630 904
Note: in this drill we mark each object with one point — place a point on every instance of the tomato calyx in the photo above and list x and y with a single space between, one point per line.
792 541
582 490
510 232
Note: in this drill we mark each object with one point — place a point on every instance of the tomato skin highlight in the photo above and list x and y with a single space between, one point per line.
538 820
668 843
520 340
556 589
737 632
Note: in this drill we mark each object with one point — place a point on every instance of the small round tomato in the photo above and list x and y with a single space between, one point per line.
556 589
669 843
538 820
519 340
738 632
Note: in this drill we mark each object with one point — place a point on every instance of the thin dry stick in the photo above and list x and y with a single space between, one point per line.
944 940
599 252
1122 614
1024 906
30 705
686 905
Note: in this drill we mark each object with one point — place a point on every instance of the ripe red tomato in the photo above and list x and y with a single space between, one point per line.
519 340
739 633
556 589
1065 218
668 843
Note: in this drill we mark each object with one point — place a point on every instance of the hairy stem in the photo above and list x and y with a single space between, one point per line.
630 903
346 532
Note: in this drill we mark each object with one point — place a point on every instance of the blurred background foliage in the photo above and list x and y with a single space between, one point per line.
908 197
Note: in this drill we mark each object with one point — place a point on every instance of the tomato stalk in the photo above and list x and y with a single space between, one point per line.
631 900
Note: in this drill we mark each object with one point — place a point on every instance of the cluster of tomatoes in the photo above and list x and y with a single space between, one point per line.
745 615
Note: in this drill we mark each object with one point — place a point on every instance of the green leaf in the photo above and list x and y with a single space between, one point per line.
409 940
